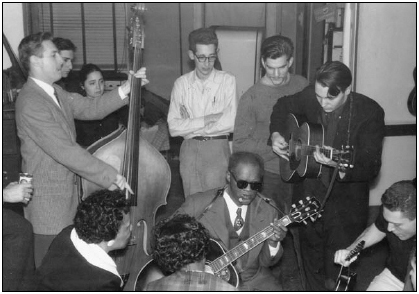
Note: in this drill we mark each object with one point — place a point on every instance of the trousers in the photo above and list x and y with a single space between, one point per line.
203 165
18 255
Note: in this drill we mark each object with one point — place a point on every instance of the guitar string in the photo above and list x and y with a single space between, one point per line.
221 262
241 249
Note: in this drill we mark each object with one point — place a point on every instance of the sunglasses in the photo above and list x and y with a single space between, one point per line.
256 186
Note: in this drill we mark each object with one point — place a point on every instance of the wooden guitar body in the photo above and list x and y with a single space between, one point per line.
302 142
347 279
301 161
221 263
228 273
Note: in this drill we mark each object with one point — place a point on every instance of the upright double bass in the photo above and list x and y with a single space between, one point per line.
145 169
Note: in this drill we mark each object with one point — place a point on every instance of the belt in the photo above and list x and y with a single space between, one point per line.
202 138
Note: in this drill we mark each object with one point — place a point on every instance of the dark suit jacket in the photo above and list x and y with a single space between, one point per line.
65 269
363 123
214 220
50 152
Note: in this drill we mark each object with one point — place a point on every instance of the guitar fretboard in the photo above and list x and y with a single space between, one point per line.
224 260
309 150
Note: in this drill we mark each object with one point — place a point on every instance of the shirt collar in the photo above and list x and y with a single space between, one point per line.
94 255
211 77
47 88
232 207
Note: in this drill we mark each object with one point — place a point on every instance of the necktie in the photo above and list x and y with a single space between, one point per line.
56 96
239 221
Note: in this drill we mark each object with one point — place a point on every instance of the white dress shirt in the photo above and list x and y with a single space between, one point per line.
216 94
94 254
50 90
232 209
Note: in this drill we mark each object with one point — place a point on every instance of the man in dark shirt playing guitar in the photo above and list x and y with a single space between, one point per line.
397 223
347 119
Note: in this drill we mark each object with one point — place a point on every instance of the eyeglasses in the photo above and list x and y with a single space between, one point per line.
256 186
202 59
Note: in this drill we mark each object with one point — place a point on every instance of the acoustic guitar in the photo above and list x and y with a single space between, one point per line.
347 278
302 144
222 265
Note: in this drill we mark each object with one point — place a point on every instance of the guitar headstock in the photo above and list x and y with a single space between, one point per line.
137 25
304 209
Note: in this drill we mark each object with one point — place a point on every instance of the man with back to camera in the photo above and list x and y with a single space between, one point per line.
78 258
202 110
349 119
45 116
397 223
179 249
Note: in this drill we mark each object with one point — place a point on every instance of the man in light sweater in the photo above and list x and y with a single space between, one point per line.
251 131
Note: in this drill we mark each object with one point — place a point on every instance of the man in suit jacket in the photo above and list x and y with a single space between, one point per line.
45 116
78 258
217 210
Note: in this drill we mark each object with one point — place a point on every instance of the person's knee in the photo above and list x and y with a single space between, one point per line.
26 231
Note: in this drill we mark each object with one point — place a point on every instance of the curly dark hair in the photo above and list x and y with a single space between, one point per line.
401 196
179 241
99 217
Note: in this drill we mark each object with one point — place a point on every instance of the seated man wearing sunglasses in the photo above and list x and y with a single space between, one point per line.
236 212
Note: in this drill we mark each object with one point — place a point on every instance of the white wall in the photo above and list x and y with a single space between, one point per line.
385 62
12 28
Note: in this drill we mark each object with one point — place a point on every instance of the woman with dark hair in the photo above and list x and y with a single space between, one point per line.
78 258
92 85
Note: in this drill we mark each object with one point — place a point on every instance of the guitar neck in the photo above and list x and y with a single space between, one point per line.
309 150
354 252
244 247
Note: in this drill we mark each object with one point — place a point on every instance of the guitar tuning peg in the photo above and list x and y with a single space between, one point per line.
293 206
301 201
308 197
351 166
304 222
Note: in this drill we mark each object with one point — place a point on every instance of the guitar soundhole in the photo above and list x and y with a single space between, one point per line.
224 274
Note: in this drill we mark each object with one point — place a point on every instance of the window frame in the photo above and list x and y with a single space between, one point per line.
86 47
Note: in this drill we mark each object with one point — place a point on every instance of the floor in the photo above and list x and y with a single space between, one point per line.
369 264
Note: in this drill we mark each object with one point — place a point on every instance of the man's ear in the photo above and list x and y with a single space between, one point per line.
290 62
263 63
228 175
35 60
191 54
110 243
348 90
